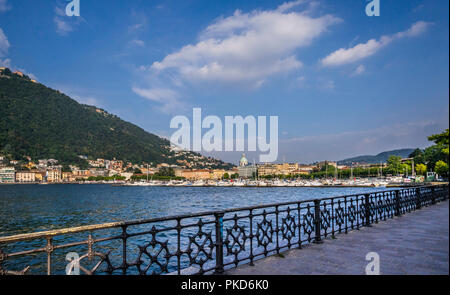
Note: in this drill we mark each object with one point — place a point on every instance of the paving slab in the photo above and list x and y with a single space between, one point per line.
414 243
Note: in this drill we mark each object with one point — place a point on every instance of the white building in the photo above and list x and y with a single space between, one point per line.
7 175
244 170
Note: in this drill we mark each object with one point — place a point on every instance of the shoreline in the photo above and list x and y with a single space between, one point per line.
394 185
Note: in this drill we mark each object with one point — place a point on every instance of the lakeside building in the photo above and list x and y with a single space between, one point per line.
116 165
68 177
284 169
218 174
267 169
97 163
98 172
196 174
202 174
26 176
54 175
81 173
7 175
127 175
306 168
244 170
39 175
329 163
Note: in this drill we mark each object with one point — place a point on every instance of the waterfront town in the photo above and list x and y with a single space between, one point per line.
105 171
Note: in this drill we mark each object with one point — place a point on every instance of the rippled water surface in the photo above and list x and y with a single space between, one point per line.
29 208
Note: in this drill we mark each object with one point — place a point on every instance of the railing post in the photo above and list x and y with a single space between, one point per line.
418 199
367 209
397 203
317 222
49 249
219 243
433 196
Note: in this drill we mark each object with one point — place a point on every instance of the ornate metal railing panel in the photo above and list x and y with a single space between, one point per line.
205 242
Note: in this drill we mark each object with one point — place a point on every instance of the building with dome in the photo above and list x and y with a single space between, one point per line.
243 162
245 170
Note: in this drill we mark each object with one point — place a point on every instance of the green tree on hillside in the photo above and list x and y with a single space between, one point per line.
165 171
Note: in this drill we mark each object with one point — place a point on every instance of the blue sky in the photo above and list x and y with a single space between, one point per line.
342 83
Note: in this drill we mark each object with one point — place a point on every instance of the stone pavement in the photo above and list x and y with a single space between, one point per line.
415 243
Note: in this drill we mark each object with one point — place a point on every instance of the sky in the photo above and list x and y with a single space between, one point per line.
342 83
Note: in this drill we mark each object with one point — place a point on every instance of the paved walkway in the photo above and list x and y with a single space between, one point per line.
415 243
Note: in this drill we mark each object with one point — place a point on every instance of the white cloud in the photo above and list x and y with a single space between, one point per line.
4 46
247 48
65 24
301 81
416 29
289 5
89 100
140 21
5 63
363 50
327 84
359 70
63 27
31 75
166 98
157 94
4 6
138 42
4 43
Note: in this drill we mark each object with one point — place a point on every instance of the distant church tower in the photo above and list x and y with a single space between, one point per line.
243 162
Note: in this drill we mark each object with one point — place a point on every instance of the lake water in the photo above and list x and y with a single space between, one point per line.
31 208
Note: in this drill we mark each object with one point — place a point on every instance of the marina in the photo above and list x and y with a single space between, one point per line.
364 182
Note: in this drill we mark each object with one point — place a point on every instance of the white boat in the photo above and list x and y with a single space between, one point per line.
199 183
262 183
224 183
278 183
238 183
252 183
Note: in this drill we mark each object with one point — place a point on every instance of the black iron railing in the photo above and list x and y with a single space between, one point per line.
205 242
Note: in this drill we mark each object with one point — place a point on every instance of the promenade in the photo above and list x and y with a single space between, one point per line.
416 243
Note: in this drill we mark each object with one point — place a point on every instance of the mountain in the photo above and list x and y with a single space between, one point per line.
42 123
381 157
